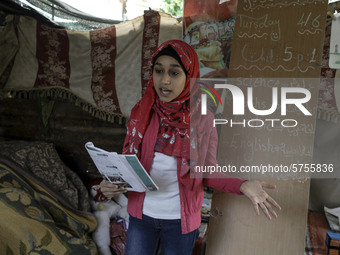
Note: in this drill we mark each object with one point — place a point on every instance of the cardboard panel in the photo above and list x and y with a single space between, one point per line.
277 44
278 38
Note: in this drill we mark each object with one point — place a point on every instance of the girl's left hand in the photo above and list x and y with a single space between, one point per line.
254 191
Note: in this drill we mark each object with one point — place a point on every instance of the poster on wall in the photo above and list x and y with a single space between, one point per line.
209 27
334 49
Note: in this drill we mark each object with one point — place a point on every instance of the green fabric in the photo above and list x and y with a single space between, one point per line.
46 107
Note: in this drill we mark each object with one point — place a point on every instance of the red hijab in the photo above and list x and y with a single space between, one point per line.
172 125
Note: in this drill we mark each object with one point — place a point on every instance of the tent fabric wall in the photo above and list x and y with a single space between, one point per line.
100 69
9 45
329 90
325 192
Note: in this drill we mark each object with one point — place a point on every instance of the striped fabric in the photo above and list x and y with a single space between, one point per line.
107 69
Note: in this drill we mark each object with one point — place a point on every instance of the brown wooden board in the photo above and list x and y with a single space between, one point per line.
276 44
278 38
239 231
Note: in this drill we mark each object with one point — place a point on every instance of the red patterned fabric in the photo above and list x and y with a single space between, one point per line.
317 229
52 55
103 55
118 237
103 70
150 44
326 97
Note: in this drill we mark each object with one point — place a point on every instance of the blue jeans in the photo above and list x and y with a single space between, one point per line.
144 234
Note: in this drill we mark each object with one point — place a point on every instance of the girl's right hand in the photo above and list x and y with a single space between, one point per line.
110 190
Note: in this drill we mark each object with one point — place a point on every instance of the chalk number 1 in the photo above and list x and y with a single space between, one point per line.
299 57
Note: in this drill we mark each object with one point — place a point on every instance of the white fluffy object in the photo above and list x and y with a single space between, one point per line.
104 212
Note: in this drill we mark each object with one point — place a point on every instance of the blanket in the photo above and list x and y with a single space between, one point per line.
36 220
105 71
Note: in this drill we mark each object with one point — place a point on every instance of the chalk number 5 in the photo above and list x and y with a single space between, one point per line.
289 54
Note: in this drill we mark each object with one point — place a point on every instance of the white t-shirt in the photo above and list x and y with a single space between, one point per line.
164 203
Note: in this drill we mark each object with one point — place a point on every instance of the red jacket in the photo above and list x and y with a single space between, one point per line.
192 198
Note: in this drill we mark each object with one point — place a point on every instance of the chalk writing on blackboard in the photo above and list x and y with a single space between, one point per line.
271 56
253 145
309 24
259 55
297 68
251 5
256 82
271 82
303 128
246 35
260 25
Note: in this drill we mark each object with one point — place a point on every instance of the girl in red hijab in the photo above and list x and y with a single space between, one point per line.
159 132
